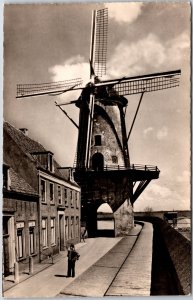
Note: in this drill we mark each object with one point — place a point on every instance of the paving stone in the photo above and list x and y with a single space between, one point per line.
93 282
96 280
134 278
109 260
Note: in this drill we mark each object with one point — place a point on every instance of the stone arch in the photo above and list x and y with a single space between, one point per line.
98 162
105 220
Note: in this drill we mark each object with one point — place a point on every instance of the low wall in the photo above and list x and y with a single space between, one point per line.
179 249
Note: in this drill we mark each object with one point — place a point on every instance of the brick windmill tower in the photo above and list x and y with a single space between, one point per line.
102 167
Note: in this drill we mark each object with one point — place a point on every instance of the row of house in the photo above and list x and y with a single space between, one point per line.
41 201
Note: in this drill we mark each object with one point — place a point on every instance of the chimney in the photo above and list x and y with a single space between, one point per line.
24 130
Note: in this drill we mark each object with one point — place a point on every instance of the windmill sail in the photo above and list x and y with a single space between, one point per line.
28 90
140 84
98 53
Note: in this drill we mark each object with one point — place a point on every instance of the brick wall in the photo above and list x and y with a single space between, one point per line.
179 249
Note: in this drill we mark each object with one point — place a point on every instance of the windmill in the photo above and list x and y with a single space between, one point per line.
102 163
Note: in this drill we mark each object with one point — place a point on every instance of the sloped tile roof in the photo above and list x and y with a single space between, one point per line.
25 143
18 184
29 146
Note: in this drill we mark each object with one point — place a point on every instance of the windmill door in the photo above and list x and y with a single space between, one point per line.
98 162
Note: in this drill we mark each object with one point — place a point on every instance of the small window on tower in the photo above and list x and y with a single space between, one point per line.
97 140
114 159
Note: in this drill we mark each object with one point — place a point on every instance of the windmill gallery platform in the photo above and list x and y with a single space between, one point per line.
134 265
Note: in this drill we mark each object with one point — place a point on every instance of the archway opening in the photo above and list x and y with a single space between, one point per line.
105 221
98 162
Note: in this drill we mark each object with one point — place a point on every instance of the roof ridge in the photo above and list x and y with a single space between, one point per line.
27 137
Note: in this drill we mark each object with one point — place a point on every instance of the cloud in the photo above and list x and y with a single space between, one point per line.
73 68
184 177
162 133
177 48
148 53
124 12
147 131
160 197
135 57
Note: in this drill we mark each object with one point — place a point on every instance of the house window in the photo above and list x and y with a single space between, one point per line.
5 177
51 192
31 238
43 190
44 232
97 140
53 231
66 227
114 159
59 195
65 197
72 227
20 239
50 162
71 199
5 185
77 226
76 199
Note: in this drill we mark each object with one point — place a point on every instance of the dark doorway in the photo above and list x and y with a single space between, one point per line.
5 247
98 162
61 232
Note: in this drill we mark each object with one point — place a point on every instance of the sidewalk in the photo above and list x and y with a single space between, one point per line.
134 277
124 271
50 281
107 267
8 281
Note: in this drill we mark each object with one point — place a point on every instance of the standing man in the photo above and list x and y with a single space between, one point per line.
83 233
72 257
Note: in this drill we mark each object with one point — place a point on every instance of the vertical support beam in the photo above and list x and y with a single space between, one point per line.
89 131
124 138
135 115
91 101
92 45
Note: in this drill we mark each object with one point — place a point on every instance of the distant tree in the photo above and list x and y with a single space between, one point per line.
148 210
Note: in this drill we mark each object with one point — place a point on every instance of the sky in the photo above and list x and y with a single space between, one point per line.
45 43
